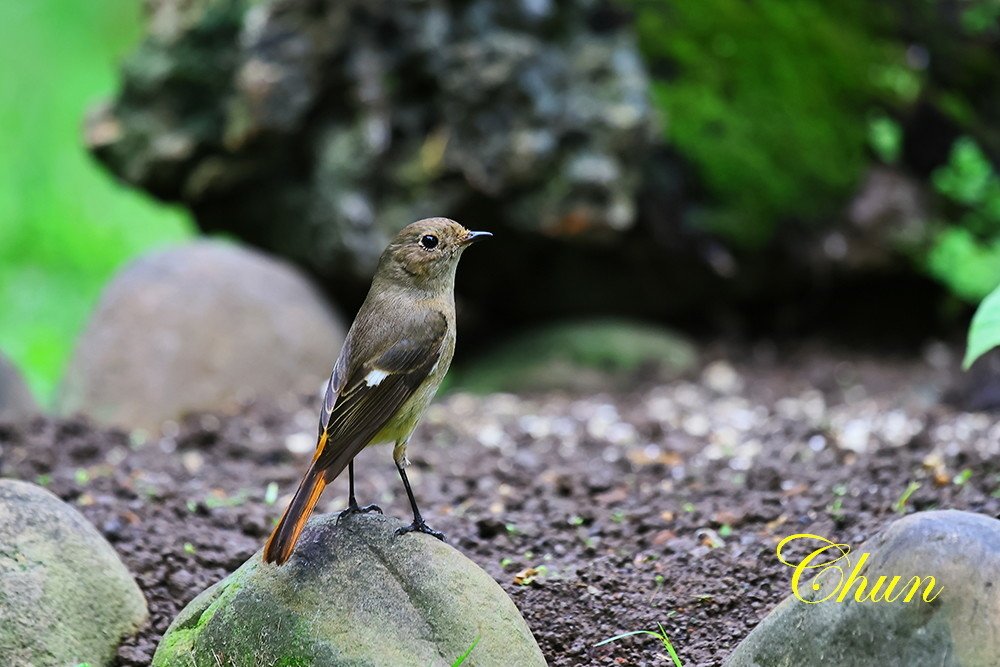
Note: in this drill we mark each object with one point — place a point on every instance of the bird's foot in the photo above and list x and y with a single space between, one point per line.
354 508
420 526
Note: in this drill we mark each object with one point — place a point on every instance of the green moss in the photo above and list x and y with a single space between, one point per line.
207 631
577 355
178 645
293 662
176 649
769 100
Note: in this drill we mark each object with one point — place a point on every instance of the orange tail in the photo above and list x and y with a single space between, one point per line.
282 541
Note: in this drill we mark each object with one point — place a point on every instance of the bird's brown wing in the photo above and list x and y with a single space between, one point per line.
375 390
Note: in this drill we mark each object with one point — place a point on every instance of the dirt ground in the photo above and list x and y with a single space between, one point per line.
660 506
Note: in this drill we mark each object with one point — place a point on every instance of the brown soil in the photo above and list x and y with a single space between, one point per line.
660 506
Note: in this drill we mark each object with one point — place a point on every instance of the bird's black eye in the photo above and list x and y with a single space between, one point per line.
429 241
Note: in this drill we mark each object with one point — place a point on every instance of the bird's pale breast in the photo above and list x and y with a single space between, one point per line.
405 420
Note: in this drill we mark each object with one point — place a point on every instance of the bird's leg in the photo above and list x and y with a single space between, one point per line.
418 525
352 502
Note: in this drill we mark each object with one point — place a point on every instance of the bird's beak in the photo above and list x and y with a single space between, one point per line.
476 236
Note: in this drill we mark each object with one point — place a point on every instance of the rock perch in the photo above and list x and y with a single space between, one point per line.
353 595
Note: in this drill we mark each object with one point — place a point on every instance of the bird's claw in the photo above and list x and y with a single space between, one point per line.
420 526
354 508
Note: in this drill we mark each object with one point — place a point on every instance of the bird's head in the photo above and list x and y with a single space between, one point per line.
425 253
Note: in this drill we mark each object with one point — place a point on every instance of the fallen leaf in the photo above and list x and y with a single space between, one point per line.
615 495
709 538
525 576
776 523
663 537
727 518
796 490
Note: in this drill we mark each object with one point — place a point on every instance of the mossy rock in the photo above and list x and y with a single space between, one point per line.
579 356
353 594
959 627
65 597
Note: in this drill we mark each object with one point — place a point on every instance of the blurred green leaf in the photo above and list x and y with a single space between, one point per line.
984 333
886 138
970 268
964 254
980 16
900 80
968 177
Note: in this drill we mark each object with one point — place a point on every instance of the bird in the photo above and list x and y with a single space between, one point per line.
393 360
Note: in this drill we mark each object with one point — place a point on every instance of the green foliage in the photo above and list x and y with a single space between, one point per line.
969 267
984 334
979 16
965 255
886 138
65 226
969 178
661 635
900 505
465 656
769 100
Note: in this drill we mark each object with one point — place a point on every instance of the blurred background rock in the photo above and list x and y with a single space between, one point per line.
729 169
201 327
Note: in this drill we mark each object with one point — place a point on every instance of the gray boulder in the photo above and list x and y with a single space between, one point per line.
196 328
959 628
16 400
65 597
315 129
352 595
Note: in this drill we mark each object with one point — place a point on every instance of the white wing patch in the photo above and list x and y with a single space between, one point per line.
375 377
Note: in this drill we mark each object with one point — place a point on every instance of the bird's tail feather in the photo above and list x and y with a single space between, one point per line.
282 541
